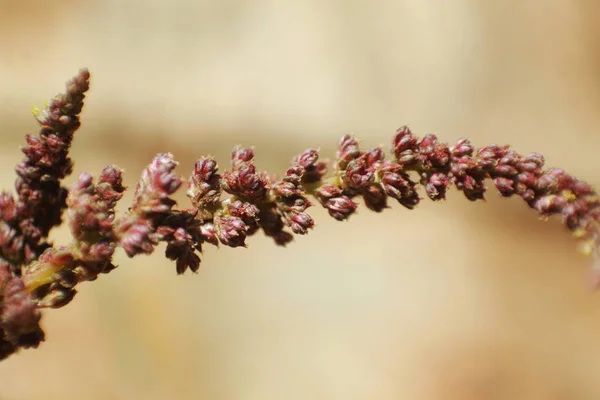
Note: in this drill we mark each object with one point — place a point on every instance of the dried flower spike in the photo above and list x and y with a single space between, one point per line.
227 209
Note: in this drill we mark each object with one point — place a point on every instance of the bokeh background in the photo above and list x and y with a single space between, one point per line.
453 300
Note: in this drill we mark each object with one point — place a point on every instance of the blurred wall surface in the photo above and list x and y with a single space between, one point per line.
452 300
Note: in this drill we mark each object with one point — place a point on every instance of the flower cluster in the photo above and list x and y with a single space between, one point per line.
41 199
227 208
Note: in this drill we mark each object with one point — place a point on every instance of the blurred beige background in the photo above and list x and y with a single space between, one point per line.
449 301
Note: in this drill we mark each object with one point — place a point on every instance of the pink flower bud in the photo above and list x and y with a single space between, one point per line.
341 207
231 231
